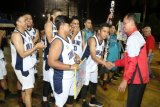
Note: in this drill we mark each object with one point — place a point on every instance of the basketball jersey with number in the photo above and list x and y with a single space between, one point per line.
19 63
77 43
91 64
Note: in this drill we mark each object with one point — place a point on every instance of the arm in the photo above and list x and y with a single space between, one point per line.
151 46
132 61
92 46
35 40
56 48
18 43
119 63
83 44
83 34
48 31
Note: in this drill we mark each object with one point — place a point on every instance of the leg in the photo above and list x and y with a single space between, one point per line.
135 94
28 98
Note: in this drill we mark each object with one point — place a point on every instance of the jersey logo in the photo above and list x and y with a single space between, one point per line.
98 52
71 54
28 46
76 42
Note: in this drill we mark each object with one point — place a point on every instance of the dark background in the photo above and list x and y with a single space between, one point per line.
97 10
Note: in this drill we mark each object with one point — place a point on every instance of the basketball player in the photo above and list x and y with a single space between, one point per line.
61 58
3 71
76 36
93 51
34 33
50 31
22 48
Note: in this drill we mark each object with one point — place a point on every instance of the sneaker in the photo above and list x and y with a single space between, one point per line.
84 104
52 100
45 104
94 102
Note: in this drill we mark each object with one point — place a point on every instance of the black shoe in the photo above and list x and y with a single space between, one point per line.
52 100
85 104
94 102
45 104
2 101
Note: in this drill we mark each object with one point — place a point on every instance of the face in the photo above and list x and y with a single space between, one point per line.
29 20
127 24
75 23
145 32
112 30
66 28
22 22
88 24
104 32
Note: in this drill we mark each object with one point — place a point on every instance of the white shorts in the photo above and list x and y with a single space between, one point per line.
47 74
26 81
91 76
67 87
3 71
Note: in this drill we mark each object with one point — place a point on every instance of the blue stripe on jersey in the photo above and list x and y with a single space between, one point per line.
19 62
46 52
86 53
58 75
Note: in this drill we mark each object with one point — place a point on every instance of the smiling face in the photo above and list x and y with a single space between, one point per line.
104 32
22 22
75 23
29 20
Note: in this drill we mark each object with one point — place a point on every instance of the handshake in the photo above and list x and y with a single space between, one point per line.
109 65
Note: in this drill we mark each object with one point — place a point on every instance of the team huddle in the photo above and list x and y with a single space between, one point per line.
64 46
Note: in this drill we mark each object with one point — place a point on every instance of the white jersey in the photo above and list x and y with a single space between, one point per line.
1 54
32 32
91 64
18 62
77 43
67 56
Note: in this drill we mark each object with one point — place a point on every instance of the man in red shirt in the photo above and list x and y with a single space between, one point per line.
134 62
150 44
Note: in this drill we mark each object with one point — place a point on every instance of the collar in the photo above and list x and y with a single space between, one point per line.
132 31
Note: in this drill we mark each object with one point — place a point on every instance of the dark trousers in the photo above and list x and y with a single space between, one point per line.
135 94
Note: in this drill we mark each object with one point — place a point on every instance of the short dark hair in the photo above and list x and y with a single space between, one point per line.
74 18
131 16
60 20
103 25
17 16
87 19
53 11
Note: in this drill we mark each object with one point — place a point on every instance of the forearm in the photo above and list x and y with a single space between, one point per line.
150 51
99 61
59 65
28 52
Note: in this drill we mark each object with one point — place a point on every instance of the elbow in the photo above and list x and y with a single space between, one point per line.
50 63
22 55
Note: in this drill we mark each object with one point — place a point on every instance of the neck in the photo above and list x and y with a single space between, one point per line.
99 38
63 35
22 30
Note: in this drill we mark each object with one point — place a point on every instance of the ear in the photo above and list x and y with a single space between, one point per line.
99 31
